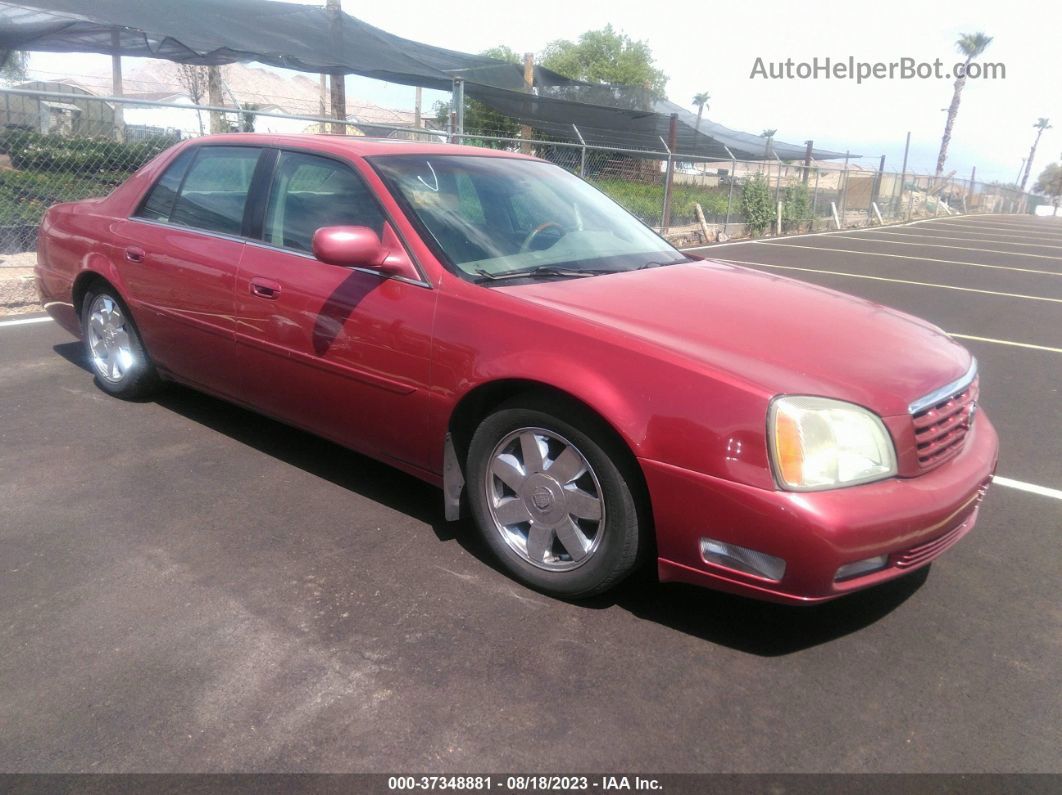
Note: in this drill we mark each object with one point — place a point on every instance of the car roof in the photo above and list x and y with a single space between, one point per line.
353 145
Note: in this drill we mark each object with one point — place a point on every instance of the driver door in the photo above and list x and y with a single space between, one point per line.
343 352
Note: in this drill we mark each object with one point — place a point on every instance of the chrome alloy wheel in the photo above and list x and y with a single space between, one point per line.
109 342
544 499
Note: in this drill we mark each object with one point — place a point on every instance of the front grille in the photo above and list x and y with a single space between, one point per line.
929 550
941 429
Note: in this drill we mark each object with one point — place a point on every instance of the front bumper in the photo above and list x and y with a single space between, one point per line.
910 520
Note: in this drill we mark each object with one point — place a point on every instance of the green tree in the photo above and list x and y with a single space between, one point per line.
478 117
971 45
248 117
503 53
1041 125
15 63
1049 183
606 56
701 101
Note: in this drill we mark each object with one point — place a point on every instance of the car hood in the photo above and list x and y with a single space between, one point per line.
782 335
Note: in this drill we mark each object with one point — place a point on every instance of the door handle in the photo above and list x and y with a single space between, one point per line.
265 288
135 254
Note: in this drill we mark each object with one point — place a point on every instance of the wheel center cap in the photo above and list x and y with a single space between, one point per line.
544 499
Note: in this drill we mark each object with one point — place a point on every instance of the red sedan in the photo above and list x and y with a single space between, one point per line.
496 326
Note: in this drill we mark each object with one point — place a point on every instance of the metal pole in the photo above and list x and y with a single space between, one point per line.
815 200
807 160
730 192
529 86
457 100
973 177
417 101
778 181
844 192
672 138
582 152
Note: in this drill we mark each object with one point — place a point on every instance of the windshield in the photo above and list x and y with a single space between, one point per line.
493 216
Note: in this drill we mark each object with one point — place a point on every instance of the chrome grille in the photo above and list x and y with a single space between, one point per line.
940 427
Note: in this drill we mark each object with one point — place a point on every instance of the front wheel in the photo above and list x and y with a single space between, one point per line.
551 496
113 347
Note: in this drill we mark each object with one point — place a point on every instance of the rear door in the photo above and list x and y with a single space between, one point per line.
180 254
340 351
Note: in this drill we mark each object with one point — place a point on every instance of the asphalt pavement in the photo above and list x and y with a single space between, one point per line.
187 586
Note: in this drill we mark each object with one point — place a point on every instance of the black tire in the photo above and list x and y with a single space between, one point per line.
624 528
138 378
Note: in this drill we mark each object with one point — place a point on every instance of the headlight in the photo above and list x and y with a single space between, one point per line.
818 443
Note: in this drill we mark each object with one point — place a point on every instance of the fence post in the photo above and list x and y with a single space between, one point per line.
582 152
815 200
844 190
672 136
730 193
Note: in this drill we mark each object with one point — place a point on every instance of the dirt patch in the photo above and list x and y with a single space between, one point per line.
18 290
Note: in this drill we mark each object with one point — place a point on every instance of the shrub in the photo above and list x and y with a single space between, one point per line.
34 151
757 205
796 206
646 200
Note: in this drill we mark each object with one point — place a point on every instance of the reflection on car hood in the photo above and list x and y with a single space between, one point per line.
783 335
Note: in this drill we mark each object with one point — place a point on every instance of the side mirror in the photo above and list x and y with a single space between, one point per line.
349 247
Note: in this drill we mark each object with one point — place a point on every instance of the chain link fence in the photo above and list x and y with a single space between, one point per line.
58 146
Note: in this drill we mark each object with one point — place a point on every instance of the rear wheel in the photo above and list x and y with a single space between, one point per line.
551 499
113 347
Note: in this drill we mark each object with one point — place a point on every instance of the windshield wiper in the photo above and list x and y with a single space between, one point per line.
661 264
544 270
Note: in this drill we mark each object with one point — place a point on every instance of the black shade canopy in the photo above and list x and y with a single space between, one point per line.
313 39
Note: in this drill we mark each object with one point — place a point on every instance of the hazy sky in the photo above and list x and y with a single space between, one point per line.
712 47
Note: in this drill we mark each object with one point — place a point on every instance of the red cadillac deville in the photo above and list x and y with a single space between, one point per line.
494 325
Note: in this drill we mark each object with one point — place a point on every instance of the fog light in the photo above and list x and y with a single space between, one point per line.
850 570
742 559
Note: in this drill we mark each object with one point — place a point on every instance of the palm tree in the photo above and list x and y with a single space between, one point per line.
971 45
700 100
768 148
1041 125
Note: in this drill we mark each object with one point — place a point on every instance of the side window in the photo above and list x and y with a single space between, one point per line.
215 189
159 202
310 192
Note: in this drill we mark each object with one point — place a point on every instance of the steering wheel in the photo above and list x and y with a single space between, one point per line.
526 245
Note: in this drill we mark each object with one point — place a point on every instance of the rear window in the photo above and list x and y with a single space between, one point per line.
159 202
205 188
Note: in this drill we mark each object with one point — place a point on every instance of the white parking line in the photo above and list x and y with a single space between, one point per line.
980 228
958 248
1030 345
1032 488
25 321
897 281
921 259
948 237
